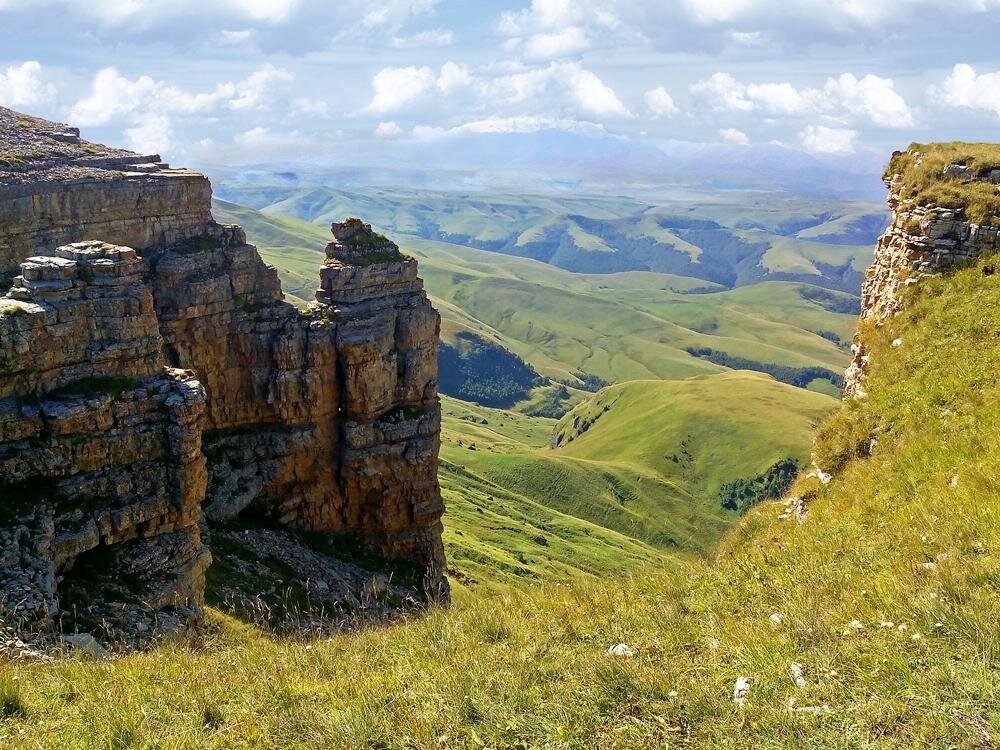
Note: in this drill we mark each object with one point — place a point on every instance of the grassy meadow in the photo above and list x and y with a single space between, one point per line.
884 595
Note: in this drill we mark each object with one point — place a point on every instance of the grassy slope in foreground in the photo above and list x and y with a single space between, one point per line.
887 595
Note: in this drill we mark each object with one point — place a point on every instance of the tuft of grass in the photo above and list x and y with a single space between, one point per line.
921 169
11 701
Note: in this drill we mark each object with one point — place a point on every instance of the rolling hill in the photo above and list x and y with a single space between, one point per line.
732 240
618 327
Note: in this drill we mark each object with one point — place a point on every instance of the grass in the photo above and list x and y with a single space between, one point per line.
921 168
652 460
887 595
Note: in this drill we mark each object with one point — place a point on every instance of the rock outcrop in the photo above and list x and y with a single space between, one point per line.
921 240
153 378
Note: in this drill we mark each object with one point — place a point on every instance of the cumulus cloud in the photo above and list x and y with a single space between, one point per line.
734 136
723 92
583 88
388 130
151 134
872 97
660 103
568 41
552 29
964 87
395 88
112 95
557 85
430 38
824 140
22 86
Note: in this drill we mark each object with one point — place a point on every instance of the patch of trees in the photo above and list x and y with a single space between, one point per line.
742 494
474 369
800 377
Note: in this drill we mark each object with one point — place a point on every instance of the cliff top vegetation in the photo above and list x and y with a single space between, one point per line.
953 175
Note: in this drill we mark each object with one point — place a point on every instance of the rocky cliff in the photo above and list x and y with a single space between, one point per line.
932 192
152 380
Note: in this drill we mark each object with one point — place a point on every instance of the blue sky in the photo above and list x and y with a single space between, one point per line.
258 80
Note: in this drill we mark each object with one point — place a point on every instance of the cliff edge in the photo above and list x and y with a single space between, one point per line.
154 385
945 202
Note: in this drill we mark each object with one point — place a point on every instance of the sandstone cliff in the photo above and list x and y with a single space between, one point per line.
152 378
923 237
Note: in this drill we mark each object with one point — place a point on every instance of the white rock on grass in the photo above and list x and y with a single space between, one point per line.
621 649
798 674
741 690
775 619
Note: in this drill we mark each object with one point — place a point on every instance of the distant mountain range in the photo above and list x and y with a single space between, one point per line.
573 161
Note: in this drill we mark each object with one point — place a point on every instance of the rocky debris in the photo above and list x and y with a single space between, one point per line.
270 567
85 643
920 241
159 370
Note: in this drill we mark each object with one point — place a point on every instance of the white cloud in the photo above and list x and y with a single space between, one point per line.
723 92
964 87
734 136
453 77
585 91
780 98
824 140
592 94
871 97
388 130
660 103
431 38
22 86
396 87
152 134
112 95
252 92
568 41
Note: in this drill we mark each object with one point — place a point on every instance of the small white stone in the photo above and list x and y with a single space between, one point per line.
741 690
775 619
897 343
798 674
621 649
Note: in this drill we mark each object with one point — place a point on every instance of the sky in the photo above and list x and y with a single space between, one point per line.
251 81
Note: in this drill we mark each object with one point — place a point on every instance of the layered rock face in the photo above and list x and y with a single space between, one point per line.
101 470
146 389
56 189
920 240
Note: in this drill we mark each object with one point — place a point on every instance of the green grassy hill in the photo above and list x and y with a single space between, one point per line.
885 595
645 459
622 326
733 240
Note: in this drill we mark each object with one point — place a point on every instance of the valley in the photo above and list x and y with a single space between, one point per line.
530 349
